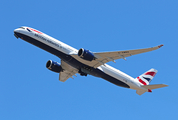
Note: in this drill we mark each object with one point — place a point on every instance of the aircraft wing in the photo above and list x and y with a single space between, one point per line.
104 57
68 71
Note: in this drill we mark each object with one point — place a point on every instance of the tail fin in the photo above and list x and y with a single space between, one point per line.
146 78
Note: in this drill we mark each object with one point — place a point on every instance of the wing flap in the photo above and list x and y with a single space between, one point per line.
68 71
63 76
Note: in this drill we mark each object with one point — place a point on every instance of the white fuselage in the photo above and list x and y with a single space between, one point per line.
66 49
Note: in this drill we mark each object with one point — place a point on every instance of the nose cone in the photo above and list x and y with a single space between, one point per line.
16 30
17 33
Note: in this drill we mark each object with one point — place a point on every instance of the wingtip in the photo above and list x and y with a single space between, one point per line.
165 85
160 45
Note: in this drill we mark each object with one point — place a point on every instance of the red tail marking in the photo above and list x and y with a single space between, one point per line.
149 90
141 81
150 73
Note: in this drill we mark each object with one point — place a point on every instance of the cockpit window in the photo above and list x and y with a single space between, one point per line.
22 27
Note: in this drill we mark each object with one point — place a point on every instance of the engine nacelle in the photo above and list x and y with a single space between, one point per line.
86 54
54 66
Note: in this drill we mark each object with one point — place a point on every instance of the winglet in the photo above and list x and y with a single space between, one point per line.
160 45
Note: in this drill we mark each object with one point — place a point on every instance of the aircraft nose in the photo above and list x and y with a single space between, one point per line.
16 34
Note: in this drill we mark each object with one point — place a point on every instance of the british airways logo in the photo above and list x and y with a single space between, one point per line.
49 41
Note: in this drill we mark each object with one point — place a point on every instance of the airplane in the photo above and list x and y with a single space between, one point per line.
85 62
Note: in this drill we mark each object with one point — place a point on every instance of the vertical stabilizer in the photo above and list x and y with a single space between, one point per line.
146 78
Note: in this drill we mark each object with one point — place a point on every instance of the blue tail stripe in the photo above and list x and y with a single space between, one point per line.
148 79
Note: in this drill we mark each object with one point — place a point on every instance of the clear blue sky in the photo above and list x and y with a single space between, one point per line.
29 91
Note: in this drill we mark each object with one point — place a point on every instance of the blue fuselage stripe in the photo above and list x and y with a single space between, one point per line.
72 61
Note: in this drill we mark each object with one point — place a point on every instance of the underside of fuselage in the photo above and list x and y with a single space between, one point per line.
71 61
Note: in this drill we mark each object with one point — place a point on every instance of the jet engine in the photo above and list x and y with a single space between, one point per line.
54 66
86 54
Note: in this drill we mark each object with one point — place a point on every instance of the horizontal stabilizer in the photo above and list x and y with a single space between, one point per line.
150 87
154 86
140 92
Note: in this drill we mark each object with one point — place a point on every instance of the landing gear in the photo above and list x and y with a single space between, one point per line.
82 73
